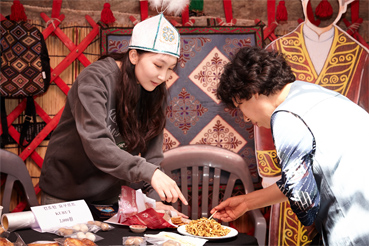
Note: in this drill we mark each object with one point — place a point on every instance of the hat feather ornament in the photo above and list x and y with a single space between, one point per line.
174 7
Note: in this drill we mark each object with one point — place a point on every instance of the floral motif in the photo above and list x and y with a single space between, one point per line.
118 46
219 133
170 141
189 47
185 111
168 34
232 45
207 75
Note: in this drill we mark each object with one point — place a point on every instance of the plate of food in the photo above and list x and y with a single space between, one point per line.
207 229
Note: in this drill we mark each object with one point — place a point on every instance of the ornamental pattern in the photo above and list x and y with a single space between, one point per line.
207 74
341 64
118 46
170 141
292 232
219 133
189 48
232 45
268 163
184 111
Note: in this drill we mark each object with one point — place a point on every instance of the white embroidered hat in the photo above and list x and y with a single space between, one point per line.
156 34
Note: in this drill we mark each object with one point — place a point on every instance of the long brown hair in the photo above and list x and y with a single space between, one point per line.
140 114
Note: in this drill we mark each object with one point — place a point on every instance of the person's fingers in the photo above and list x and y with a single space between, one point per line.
181 196
167 188
182 215
218 207
223 216
162 195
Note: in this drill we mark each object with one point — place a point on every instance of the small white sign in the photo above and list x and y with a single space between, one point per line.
65 214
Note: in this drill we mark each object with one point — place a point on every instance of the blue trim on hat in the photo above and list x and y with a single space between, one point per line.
154 50
157 30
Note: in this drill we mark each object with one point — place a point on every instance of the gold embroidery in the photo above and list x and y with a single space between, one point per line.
294 49
268 163
292 232
340 65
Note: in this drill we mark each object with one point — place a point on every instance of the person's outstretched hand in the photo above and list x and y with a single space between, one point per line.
166 188
162 206
230 209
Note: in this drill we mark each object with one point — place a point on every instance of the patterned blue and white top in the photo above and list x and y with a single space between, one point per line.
321 138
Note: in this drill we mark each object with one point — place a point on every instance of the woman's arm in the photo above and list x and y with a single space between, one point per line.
234 207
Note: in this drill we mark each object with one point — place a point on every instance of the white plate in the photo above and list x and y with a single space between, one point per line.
232 233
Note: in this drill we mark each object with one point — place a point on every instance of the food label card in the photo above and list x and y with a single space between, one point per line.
65 214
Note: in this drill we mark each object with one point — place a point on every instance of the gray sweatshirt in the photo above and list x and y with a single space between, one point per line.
83 159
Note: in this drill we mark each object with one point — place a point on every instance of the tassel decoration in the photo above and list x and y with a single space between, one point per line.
107 16
133 19
144 9
222 23
174 23
190 22
282 14
17 12
324 9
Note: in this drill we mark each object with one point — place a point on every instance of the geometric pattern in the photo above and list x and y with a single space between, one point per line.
184 111
21 60
219 133
170 141
172 79
194 114
207 74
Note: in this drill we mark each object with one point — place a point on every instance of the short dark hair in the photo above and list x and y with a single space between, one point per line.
253 70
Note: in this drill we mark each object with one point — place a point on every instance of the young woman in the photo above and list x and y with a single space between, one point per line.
111 131
324 174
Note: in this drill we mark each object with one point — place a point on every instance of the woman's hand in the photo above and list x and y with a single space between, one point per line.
162 206
230 209
166 188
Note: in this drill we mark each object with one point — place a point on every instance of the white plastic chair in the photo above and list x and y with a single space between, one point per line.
212 161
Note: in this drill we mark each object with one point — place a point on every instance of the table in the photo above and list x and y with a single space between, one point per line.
114 237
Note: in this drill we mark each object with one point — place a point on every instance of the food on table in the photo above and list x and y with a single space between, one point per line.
43 244
81 235
206 228
90 236
88 242
178 221
78 242
96 222
64 231
5 242
104 226
81 227
133 241
171 243
138 228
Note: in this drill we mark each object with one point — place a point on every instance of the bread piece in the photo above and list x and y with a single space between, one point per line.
43 244
88 242
78 242
133 241
171 243
5 242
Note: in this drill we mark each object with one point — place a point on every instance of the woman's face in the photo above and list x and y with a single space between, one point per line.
152 69
257 109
